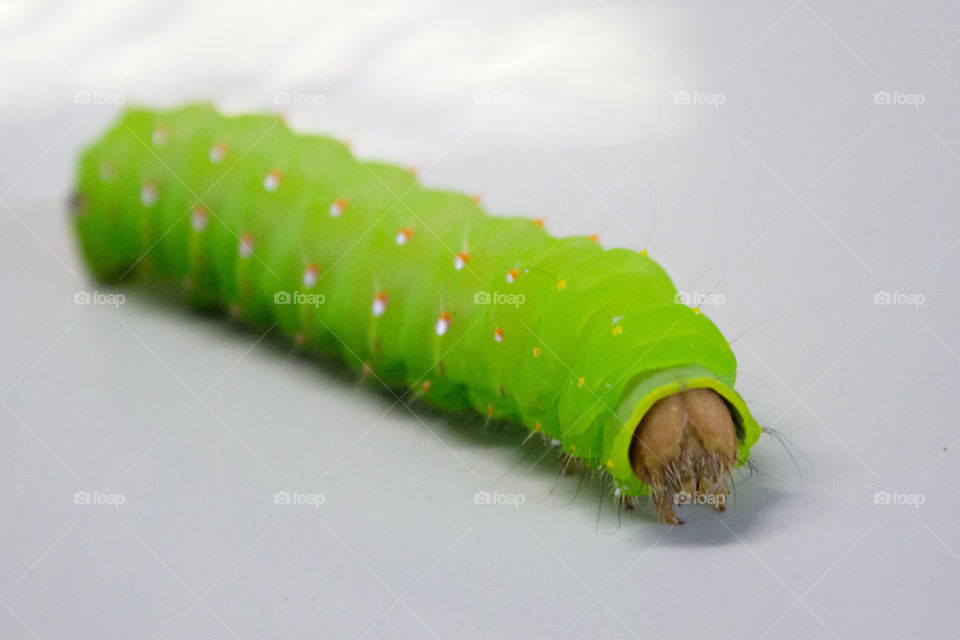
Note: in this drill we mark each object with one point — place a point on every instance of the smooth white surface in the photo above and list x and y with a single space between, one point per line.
797 199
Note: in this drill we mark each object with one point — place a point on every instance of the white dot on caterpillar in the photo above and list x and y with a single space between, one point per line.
498 334
245 248
107 172
160 135
536 352
461 260
379 304
404 235
310 275
337 207
148 194
443 323
512 275
198 219
217 153
272 180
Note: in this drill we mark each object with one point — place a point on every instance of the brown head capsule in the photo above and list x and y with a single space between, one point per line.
684 449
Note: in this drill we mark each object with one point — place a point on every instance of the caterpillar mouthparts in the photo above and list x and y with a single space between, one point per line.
684 449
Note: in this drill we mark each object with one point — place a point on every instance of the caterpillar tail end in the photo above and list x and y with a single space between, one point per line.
684 449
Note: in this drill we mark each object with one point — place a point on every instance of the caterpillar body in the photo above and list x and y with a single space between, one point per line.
590 347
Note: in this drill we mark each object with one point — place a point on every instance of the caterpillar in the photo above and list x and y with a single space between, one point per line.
588 347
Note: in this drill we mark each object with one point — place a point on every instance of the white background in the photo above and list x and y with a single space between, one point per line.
783 187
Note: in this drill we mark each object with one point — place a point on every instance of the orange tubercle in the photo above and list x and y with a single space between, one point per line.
245 248
380 304
443 323
337 207
217 153
404 235
310 275
198 219
272 180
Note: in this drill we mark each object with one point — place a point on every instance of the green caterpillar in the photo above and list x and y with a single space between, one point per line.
417 286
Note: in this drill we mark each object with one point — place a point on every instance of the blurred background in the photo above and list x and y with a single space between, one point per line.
792 164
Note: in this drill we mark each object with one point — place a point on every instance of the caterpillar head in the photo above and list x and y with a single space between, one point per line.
684 449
